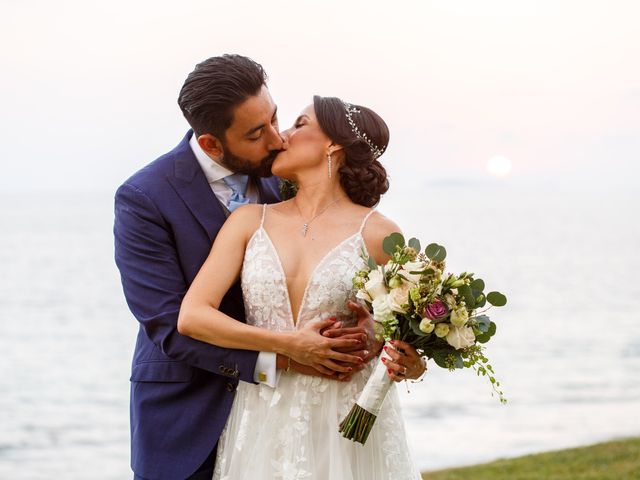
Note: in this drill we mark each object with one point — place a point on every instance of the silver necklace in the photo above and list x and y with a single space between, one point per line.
305 226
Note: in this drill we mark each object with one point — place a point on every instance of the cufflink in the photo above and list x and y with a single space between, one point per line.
262 377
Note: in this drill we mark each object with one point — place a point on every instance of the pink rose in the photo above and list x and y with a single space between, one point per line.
436 311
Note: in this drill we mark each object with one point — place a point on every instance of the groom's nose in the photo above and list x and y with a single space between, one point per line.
275 139
284 135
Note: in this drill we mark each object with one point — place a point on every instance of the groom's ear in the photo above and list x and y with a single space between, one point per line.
211 145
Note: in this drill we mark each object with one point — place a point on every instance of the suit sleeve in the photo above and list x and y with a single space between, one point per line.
154 286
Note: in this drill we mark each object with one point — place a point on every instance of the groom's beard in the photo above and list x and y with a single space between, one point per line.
242 165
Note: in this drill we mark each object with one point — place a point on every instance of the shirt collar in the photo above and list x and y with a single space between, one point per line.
213 171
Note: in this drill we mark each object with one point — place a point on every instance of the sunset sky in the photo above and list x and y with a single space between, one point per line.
546 92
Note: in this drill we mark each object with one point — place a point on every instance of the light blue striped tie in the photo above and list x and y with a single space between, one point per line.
238 184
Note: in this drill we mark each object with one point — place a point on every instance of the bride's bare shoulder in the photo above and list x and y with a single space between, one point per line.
244 221
377 228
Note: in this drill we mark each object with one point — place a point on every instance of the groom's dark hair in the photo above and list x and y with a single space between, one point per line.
215 87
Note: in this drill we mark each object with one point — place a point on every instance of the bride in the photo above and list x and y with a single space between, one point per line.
296 260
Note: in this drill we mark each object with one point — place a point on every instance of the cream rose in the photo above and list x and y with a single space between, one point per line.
460 337
375 286
400 296
426 326
382 308
459 316
442 329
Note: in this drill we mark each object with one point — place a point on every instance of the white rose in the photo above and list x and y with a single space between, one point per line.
450 300
459 316
363 295
409 267
375 286
460 337
414 266
382 308
400 296
426 326
442 329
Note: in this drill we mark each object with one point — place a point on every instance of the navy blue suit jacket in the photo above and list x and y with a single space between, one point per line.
166 218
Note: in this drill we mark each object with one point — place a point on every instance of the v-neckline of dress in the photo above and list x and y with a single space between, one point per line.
295 320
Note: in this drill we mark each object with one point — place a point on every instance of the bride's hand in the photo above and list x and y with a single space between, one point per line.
364 329
405 362
309 347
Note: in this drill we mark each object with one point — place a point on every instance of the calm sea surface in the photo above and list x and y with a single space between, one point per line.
567 350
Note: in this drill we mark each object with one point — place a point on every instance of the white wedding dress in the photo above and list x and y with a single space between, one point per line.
291 432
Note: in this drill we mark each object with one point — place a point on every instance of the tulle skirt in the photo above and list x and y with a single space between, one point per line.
291 433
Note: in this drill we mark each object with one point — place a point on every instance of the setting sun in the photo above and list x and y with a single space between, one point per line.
499 166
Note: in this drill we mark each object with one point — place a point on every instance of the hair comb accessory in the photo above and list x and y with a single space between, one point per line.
350 110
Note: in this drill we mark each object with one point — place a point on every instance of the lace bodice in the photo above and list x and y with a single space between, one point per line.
264 285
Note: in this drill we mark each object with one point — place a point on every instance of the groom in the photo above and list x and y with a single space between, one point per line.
166 217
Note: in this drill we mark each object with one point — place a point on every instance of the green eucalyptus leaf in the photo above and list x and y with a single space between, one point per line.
415 244
466 292
436 252
440 357
372 263
459 361
492 329
496 299
478 285
390 243
484 338
415 327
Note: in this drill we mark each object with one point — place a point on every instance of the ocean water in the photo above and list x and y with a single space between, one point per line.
567 350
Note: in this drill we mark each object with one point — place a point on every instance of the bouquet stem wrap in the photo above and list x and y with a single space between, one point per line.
358 423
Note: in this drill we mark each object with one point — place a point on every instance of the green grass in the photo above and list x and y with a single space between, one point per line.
618 460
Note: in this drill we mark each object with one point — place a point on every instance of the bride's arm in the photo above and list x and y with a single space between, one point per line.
200 318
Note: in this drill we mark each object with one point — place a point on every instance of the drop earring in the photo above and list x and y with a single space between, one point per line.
329 161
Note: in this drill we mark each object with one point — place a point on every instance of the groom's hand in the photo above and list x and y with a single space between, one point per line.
364 331
325 354
284 363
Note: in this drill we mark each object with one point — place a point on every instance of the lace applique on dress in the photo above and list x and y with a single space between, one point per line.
291 432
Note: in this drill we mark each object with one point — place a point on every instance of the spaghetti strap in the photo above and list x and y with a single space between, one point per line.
264 210
364 221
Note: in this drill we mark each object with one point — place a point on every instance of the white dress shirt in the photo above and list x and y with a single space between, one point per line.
265 371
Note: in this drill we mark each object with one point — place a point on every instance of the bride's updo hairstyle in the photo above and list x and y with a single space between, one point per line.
363 136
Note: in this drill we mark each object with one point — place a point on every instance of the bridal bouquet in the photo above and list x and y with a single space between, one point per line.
414 301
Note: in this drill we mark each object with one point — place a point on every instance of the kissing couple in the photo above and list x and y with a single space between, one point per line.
249 351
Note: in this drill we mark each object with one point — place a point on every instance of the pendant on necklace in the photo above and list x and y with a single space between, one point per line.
305 227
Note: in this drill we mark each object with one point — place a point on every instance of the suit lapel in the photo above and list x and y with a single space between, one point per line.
191 185
269 189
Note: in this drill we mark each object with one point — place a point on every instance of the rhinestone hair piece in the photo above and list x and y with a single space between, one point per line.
350 110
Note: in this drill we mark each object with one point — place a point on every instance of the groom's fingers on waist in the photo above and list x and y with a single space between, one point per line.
357 307
353 350
340 332
337 367
324 370
360 337
344 358
342 342
319 325
362 354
